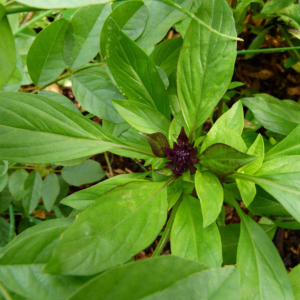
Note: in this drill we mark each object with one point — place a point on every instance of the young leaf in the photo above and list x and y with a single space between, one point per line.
23 259
247 189
290 15
175 127
32 191
158 143
5 199
210 193
3 181
288 146
8 56
45 59
134 72
224 160
227 129
273 115
81 43
142 117
202 51
93 90
184 277
160 19
165 55
294 276
191 240
50 190
35 123
263 275
257 42
117 226
130 16
16 183
87 172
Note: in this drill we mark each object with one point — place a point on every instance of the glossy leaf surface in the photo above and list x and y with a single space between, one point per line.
117 226
206 58
210 193
45 59
224 160
189 238
134 72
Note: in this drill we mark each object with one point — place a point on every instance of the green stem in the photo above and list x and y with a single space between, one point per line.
108 164
139 164
5 293
167 231
289 41
12 222
37 18
20 9
191 15
271 50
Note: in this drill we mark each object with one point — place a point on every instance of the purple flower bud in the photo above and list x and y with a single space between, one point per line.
183 156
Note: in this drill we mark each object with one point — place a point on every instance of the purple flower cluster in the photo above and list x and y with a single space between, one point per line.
183 156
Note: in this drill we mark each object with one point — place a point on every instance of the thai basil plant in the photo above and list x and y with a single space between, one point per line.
154 103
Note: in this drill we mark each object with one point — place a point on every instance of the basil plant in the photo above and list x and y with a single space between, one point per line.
153 108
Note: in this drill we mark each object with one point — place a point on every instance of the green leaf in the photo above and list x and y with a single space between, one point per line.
235 84
81 43
165 277
8 56
165 55
45 59
130 16
294 277
210 193
175 127
93 90
3 181
206 58
118 225
5 199
50 190
224 160
134 72
257 42
288 146
273 115
172 92
227 129
290 15
32 191
275 5
23 259
4 232
84 198
158 143
35 123
247 189
260 264
115 129
64 101
87 172
142 117
3 167
160 19
267 206
50 4
190 239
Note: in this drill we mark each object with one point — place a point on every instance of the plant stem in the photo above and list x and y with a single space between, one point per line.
167 231
191 15
269 50
5 293
37 18
19 9
139 164
108 164
289 41
12 222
